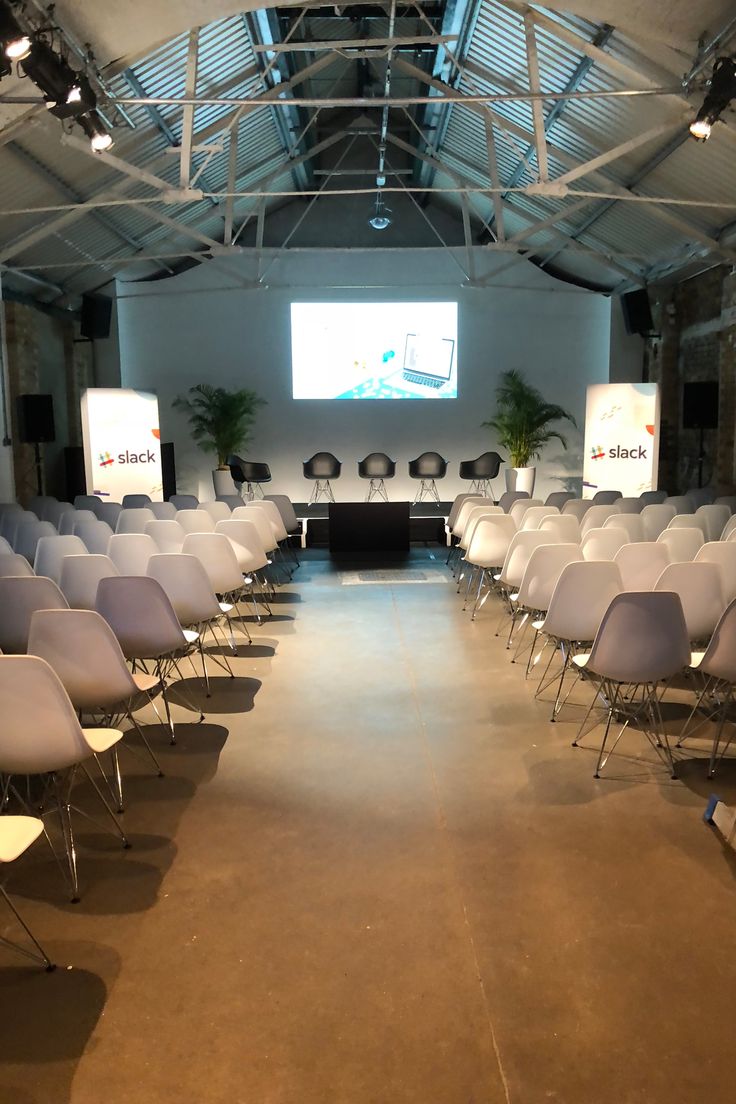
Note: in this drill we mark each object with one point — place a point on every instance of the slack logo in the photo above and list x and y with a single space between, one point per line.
106 459
597 453
146 457
618 452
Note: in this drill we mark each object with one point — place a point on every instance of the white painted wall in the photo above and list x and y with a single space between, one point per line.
212 324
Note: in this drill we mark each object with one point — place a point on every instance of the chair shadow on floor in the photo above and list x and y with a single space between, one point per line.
227 695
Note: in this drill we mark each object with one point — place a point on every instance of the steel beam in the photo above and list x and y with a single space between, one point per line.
535 86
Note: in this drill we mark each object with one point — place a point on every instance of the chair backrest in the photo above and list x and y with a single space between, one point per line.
596 516
643 638
168 535
29 533
40 732
653 498
195 521
139 613
136 501
80 577
728 528
54 511
84 652
688 521
682 544
474 517
376 465
6 547
605 498
217 556
88 502
323 465
19 597
486 466
715 518
521 546
134 519
583 593
262 524
727 500
184 501
50 553
641 563
218 511
490 540
578 507
566 527
11 520
245 538
187 586
558 499
535 515
632 523
36 503
285 508
233 500
163 511
110 512
465 510
630 505
683 504
542 571
271 510
519 508
603 543
655 518
700 587
95 534
722 553
508 498
248 471
429 465
719 660
130 552
12 564
70 520
701 496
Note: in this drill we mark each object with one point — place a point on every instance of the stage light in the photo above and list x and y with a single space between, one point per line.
15 42
721 90
99 136
381 217
67 93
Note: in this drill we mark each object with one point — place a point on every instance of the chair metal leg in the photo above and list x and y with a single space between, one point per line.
41 957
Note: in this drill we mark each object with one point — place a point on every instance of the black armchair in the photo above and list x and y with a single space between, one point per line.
427 468
481 471
377 466
322 467
249 473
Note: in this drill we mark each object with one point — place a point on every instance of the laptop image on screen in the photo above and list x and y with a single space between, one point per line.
427 363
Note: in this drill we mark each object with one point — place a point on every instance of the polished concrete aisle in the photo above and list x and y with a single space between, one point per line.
376 874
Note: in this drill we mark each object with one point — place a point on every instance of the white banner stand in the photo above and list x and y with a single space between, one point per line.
621 438
122 448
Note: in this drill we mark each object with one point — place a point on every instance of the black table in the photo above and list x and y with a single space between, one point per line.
359 528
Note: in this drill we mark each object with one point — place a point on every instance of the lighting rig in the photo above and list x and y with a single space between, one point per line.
721 90
40 56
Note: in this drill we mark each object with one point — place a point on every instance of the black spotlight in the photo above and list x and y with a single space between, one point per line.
67 93
99 136
15 43
721 90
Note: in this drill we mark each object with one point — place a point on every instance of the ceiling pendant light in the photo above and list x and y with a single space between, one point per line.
381 217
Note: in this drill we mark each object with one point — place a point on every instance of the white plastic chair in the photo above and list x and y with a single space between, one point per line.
727 500
168 535
641 563
109 512
683 504
29 533
184 501
534 517
538 582
558 499
130 552
642 641
88 502
578 507
163 511
19 597
632 523
728 529
605 498
717 668
508 498
218 511
54 512
13 564
519 508
284 506
486 554
17 833
217 556
688 521
630 505
95 534
682 544
700 588
596 516
565 527
80 577
40 735
195 521
136 501
50 553
715 517
10 522
603 544
262 524
69 521
655 518
653 498
722 553
134 519
470 503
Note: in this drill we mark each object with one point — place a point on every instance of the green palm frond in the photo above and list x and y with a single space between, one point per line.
220 420
523 419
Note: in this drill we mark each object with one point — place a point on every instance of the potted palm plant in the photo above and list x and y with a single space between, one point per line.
221 422
522 422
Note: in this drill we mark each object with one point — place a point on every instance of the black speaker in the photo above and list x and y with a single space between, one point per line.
700 405
36 419
76 479
168 470
636 312
96 315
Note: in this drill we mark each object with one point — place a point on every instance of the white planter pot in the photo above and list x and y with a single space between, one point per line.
520 479
223 482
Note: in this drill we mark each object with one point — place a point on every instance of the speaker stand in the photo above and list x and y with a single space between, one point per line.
701 456
39 467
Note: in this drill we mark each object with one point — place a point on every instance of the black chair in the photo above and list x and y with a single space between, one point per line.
249 473
481 471
322 467
377 466
428 467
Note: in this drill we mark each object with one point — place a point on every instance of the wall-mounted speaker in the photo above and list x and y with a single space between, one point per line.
36 419
96 315
700 405
637 312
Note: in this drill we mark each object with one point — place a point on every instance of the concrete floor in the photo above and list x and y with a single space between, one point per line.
377 874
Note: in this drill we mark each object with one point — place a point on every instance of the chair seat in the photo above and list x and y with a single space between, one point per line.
581 660
102 739
17 833
696 658
190 635
144 682
226 607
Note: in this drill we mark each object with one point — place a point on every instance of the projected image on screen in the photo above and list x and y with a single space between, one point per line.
374 350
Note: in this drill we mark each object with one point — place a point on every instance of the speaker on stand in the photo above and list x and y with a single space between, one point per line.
700 411
36 427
